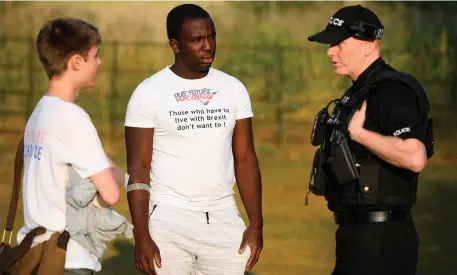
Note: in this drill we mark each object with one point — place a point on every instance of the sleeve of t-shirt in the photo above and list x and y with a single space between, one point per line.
82 148
398 111
140 112
243 103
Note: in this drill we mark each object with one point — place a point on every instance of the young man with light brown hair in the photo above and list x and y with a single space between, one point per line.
60 134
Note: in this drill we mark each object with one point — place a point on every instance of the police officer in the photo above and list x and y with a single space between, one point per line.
374 143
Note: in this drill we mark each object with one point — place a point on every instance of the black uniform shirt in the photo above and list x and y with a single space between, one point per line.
392 108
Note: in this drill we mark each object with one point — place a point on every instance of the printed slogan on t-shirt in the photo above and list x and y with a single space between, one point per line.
200 118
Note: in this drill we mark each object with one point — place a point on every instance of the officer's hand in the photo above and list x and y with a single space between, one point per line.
357 121
254 238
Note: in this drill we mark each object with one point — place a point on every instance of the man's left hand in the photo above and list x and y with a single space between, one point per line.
357 121
254 238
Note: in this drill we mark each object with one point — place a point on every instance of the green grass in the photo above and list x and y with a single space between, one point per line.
299 239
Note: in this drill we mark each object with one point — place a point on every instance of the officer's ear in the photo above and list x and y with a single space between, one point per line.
369 47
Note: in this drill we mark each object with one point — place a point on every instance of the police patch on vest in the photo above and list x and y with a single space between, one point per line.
401 131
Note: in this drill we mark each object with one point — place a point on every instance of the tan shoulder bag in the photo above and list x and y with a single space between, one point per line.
46 258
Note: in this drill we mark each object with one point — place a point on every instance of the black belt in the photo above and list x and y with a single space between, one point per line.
370 217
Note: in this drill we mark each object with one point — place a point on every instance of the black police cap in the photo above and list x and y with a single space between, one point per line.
351 21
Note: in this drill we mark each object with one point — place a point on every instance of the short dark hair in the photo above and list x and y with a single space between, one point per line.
180 13
60 39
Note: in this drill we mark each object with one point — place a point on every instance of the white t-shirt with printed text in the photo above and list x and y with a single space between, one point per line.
58 134
192 161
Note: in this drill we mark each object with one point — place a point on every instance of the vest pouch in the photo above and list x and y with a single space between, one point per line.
319 128
317 185
368 182
342 164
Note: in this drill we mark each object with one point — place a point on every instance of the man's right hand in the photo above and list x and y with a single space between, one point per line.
139 156
146 252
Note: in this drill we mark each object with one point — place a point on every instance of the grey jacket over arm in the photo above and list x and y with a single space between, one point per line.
89 225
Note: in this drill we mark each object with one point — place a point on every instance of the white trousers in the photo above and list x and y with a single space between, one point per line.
198 243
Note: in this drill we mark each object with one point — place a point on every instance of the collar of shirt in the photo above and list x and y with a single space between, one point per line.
363 76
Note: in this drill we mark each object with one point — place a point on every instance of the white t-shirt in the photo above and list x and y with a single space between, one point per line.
192 161
58 134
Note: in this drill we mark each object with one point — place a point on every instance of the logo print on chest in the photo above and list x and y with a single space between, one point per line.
203 95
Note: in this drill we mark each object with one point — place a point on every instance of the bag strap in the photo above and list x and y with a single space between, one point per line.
18 165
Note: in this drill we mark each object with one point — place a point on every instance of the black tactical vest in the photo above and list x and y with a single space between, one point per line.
372 184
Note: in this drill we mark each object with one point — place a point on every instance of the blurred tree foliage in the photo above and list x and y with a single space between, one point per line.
433 26
274 65
263 8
